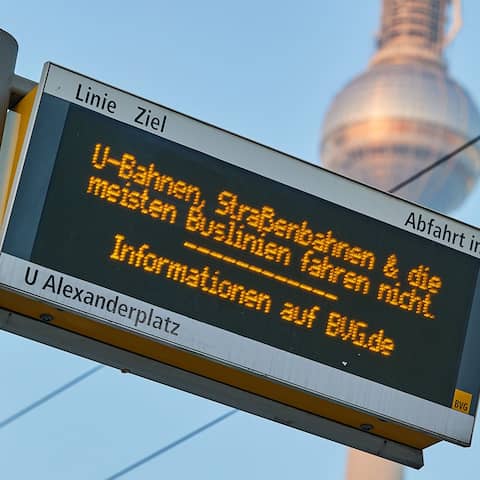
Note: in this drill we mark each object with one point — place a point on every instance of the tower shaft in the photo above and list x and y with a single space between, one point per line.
411 30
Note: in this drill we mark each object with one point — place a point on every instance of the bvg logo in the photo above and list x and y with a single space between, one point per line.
459 405
462 401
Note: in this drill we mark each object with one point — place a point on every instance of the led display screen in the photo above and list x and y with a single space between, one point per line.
158 221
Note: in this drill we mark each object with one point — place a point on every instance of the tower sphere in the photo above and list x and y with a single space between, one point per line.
405 112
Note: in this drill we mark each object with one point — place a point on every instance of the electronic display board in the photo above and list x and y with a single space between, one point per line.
145 219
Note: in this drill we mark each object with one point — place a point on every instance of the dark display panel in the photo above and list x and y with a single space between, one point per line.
179 229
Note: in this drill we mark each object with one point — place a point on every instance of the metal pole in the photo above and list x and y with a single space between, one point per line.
8 58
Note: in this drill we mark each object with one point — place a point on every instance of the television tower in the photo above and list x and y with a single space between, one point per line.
405 111
399 116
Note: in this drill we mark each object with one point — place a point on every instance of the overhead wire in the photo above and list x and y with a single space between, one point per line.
50 396
434 164
171 445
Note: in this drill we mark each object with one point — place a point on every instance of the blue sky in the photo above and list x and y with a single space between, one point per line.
265 70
